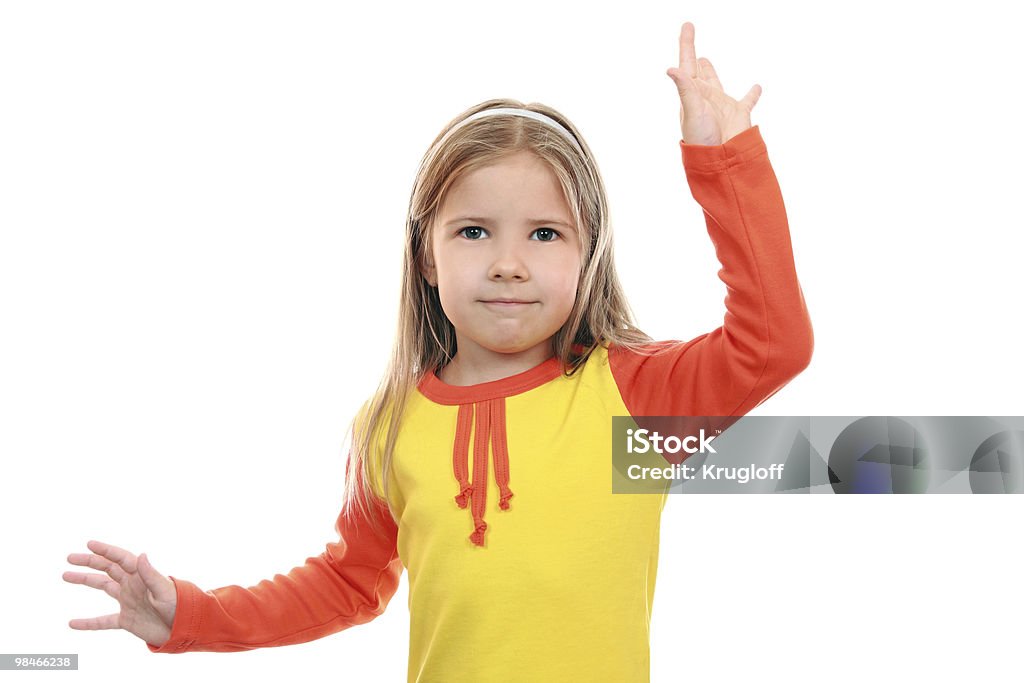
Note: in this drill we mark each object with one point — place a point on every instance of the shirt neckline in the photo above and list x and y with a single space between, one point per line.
449 394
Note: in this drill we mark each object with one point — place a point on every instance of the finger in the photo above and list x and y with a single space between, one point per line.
161 587
98 581
751 98
113 570
708 73
689 91
95 623
122 557
687 53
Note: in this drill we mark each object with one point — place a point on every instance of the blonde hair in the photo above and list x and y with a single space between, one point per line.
425 338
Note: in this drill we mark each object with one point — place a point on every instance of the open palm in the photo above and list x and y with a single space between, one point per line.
147 598
707 116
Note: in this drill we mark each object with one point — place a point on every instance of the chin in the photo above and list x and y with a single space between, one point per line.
510 346
508 349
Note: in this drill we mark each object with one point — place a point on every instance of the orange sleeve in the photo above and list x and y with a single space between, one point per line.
766 338
350 583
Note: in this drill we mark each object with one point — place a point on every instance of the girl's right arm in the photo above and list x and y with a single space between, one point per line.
350 583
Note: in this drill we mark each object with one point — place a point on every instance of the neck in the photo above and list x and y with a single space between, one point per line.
466 369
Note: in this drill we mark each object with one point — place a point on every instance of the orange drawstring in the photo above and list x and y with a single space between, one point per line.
490 426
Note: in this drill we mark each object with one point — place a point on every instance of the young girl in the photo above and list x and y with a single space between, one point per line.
515 342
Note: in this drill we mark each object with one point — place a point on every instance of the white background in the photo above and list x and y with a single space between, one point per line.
202 207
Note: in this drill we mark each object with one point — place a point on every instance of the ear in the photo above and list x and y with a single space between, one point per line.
428 270
426 258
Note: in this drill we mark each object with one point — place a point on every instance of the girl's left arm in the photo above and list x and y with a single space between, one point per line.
766 338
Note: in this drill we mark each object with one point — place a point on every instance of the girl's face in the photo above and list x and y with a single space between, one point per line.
505 234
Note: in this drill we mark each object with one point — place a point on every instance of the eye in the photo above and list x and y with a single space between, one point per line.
546 234
472 232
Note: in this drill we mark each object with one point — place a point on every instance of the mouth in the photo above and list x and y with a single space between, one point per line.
506 302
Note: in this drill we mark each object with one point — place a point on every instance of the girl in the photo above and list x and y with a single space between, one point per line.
515 341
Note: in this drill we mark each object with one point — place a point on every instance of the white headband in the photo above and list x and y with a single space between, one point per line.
519 112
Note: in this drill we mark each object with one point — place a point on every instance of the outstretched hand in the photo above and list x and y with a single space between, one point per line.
707 116
147 598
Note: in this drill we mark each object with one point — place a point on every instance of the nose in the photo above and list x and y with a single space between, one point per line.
508 264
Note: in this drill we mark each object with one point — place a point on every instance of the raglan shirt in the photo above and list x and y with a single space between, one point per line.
522 563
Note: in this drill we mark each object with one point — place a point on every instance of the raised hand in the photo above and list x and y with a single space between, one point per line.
707 116
147 598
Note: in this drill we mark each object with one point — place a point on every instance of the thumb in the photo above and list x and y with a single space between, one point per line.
751 98
154 580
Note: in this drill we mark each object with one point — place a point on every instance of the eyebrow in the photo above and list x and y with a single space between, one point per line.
538 221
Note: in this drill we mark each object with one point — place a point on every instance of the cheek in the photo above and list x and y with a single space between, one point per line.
453 283
565 279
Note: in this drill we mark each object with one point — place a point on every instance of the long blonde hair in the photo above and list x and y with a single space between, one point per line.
425 338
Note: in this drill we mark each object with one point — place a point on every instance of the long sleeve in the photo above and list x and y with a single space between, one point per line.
766 338
350 583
